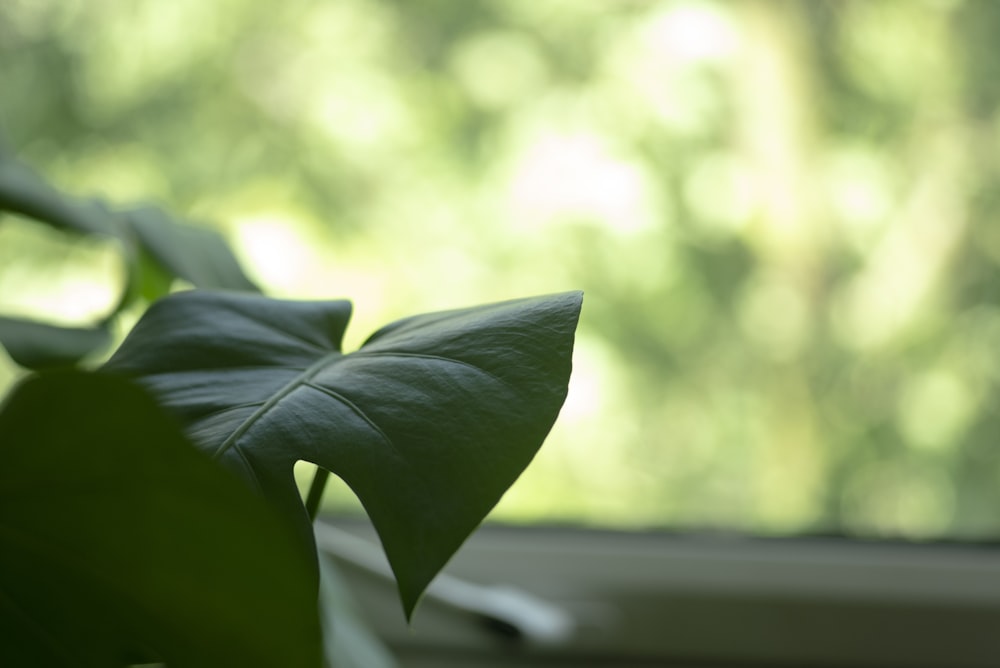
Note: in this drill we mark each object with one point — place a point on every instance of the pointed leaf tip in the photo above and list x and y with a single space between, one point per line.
498 375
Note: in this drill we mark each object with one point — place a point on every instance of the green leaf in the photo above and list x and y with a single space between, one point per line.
37 345
120 542
196 254
22 191
429 422
33 344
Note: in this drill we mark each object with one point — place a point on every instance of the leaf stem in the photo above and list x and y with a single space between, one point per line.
316 492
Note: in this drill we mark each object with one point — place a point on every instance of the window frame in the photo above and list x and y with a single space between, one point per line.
660 598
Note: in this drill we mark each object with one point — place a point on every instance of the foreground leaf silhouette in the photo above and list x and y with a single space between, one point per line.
429 422
120 542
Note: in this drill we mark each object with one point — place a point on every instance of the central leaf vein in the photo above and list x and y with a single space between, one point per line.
274 400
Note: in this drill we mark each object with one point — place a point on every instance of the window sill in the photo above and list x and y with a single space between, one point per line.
667 599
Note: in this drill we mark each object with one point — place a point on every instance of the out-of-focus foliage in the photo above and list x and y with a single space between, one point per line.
783 215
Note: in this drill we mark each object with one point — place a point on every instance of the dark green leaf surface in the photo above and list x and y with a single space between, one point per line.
429 422
37 345
119 541
196 254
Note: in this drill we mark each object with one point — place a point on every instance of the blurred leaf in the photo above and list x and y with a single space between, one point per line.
153 281
429 422
120 542
195 254
22 191
37 345
348 642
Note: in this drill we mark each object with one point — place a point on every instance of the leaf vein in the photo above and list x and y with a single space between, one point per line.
437 358
333 394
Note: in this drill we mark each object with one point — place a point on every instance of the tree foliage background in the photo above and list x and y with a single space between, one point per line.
783 213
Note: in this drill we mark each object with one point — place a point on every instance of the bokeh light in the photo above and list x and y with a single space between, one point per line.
783 215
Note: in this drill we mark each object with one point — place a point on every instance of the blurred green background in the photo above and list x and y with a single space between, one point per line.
783 213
